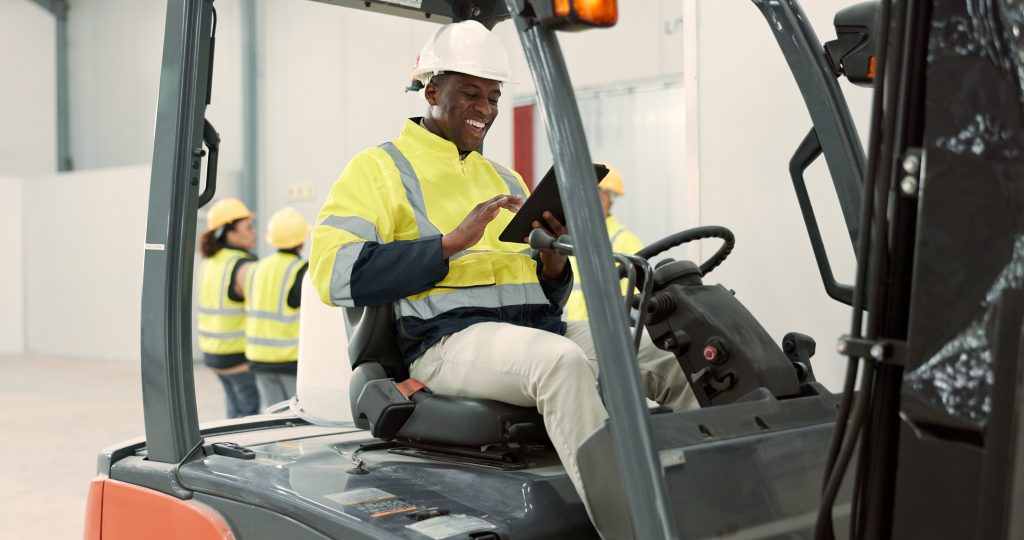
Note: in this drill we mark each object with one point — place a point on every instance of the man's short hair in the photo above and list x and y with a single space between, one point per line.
439 79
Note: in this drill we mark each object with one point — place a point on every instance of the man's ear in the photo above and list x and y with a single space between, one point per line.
430 92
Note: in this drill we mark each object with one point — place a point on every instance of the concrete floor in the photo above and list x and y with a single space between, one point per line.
57 415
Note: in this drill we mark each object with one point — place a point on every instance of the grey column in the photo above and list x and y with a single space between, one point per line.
59 9
168 385
248 188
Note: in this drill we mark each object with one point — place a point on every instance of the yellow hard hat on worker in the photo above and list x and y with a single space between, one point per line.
287 229
613 181
226 211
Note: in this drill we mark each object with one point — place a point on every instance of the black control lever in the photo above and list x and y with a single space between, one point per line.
212 140
539 239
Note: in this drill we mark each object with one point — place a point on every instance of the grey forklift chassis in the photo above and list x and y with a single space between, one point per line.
173 437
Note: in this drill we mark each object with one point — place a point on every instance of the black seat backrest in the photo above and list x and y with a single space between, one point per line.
373 339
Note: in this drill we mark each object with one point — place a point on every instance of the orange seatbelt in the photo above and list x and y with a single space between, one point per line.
409 387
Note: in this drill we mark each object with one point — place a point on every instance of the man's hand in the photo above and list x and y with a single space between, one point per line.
554 262
472 228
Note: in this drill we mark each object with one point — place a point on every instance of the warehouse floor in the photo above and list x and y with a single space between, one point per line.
57 415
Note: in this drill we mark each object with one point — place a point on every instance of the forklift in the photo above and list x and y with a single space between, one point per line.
935 336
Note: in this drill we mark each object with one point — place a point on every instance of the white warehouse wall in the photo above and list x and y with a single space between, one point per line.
28 95
646 42
751 119
115 49
84 236
332 85
12 278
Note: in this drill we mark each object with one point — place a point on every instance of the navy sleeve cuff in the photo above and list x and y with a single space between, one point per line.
384 273
557 290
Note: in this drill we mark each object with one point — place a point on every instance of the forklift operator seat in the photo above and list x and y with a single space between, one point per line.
424 417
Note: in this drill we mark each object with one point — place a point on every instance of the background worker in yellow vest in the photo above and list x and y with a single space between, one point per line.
623 241
415 223
272 300
225 247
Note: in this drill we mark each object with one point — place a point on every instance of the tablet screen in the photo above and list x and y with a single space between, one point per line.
545 198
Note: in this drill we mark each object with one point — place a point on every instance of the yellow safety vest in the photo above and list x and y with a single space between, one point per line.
623 241
221 319
271 326
415 187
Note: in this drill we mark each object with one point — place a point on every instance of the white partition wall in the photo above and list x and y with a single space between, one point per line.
637 127
84 234
28 95
12 290
751 119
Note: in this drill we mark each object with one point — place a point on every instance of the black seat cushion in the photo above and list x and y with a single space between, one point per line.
471 422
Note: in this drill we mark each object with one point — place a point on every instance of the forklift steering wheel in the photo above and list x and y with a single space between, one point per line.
689 235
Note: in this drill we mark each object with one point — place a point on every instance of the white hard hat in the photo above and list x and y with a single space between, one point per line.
464 47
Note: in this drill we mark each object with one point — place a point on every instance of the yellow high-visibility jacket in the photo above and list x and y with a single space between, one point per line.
271 325
221 319
623 241
378 241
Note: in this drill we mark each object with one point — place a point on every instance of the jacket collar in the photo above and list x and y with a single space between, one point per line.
229 246
421 140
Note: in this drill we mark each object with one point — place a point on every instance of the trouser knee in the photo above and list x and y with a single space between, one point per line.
568 361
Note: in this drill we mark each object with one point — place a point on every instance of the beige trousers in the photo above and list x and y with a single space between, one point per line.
529 367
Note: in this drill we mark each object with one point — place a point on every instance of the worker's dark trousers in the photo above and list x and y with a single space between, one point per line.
243 399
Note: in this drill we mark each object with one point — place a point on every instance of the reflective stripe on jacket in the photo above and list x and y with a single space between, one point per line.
271 325
378 241
221 319
623 241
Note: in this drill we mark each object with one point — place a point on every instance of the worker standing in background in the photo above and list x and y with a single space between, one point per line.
272 300
622 239
225 247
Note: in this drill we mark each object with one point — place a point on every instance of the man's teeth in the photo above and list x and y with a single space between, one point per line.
474 123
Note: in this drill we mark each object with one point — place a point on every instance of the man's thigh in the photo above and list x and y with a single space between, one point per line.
497 361
651 359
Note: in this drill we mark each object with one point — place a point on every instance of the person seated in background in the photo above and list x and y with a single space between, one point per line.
623 241
225 246
272 302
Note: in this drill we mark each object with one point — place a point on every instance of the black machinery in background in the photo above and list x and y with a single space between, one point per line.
933 438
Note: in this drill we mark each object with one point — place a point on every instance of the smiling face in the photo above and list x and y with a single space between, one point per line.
462 108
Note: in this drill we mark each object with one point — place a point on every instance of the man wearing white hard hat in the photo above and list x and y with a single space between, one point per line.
415 223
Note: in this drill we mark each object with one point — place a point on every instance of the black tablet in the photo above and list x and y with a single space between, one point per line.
545 198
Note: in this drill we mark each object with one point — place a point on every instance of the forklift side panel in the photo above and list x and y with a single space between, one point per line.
117 510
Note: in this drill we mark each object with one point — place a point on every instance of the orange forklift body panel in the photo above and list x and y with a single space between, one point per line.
120 511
